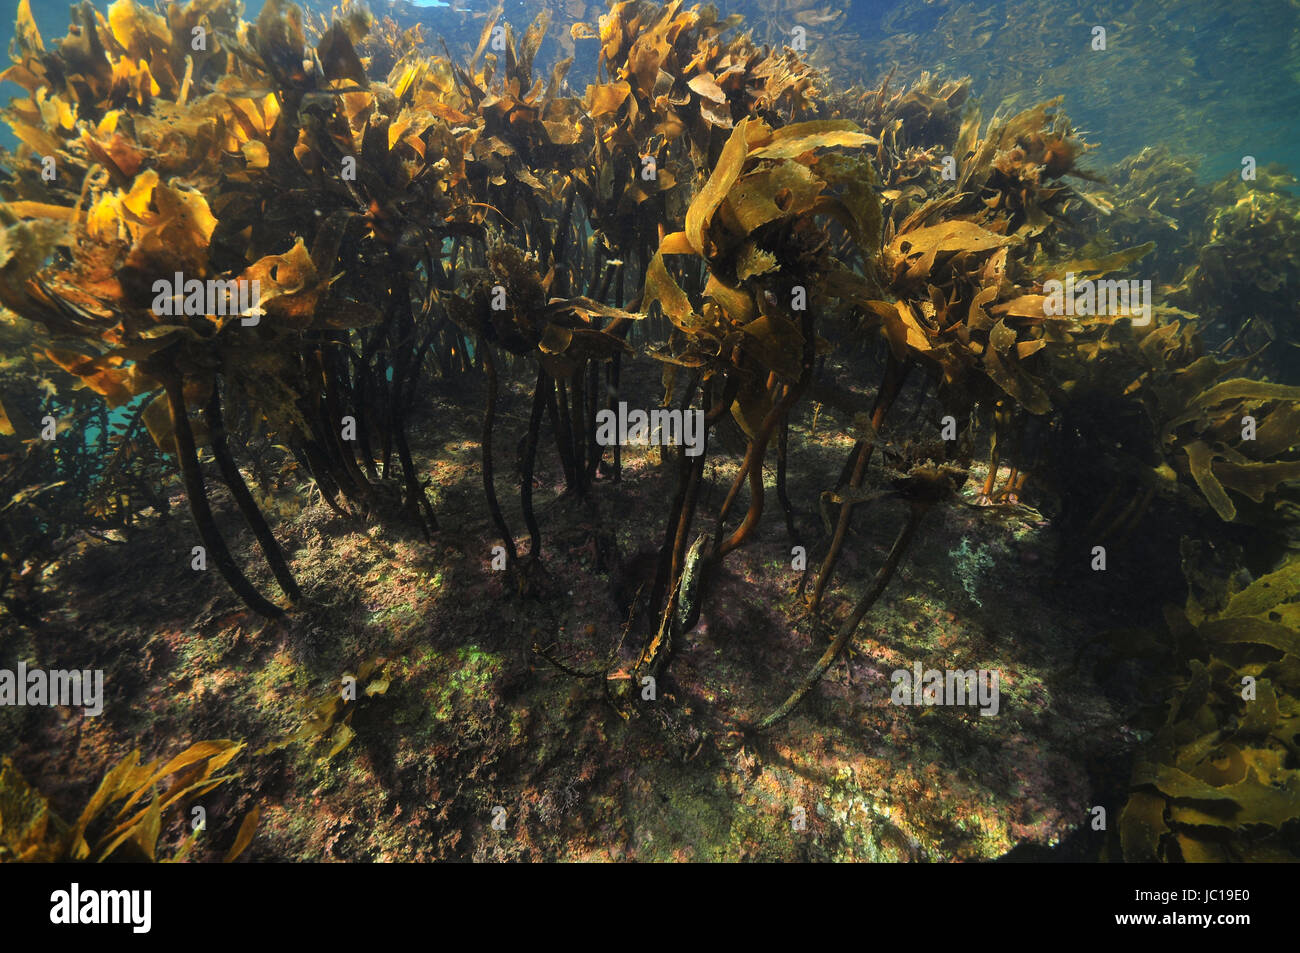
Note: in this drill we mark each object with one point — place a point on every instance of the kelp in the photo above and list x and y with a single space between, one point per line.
98 486
751 225
144 794
327 716
1217 782
1179 99
701 200
1242 279
131 226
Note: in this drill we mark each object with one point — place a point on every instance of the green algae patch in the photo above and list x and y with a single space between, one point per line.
971 564
469 673
279 675
393 617
675 815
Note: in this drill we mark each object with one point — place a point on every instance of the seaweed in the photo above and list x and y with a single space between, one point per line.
416 222
32 832
1217 782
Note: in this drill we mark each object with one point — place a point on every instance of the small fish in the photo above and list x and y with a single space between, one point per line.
1097 201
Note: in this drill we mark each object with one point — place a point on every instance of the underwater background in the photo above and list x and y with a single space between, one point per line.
1198 77
366 576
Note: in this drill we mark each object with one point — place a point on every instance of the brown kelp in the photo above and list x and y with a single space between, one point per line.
1217 781
410 217
143 793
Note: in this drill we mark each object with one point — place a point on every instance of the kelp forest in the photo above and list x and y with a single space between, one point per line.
628 433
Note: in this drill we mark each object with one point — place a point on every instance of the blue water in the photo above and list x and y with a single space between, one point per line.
1213 80
117 419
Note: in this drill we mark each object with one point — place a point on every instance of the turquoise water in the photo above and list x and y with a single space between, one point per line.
1212 80
1209 79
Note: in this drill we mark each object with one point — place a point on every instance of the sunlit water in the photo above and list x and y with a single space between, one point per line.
1211 80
